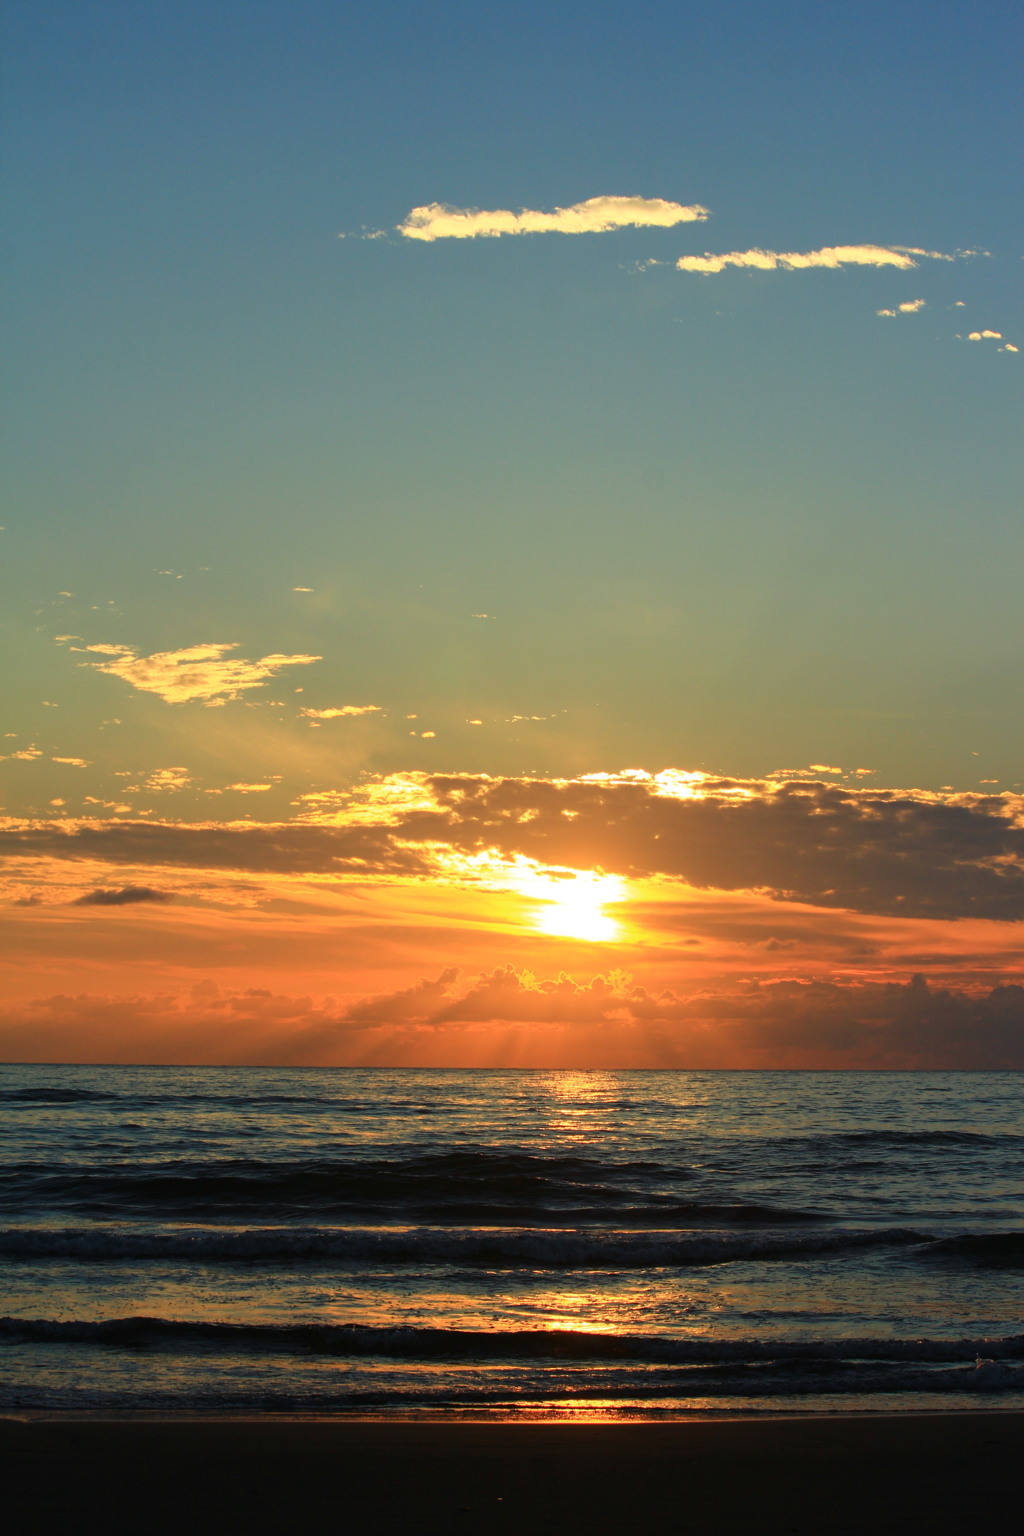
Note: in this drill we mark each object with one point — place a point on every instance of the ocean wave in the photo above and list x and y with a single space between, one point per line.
992 1250
638 1392
917 1138
492 1247
43 1095
136 1100
469 1186
450 1344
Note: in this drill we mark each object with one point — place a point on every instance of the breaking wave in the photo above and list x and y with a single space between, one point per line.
494 1247
498 1344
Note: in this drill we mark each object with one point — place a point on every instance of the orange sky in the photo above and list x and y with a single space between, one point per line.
413 923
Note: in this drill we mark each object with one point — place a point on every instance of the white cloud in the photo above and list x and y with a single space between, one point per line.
73 762
198 672
1009 347
344 709
985 336
438 221
911 307
794 261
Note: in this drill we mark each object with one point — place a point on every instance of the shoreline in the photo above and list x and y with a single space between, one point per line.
500 1417
890 1474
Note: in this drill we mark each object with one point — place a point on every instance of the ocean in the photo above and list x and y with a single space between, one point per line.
548 1244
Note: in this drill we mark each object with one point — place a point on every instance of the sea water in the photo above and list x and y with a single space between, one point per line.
530 1243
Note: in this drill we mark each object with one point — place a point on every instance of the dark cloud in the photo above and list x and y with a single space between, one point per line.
795 1023
266 848
126 896
895 853
891 853
507 1017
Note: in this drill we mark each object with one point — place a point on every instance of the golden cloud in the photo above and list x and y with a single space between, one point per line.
439 221
343 709
794 261
198 672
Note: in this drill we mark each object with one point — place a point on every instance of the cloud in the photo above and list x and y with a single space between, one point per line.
793 261
439 221
898 853
985 336
198 672
508 1017
894 853
874 1023
911 307
72 762
344 709
264 848
127 896
163 779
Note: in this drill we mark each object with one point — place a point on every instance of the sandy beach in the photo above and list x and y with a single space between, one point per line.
905 1474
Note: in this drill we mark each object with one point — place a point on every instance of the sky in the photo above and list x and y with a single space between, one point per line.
512 534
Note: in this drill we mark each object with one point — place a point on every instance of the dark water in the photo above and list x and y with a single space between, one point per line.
246 1239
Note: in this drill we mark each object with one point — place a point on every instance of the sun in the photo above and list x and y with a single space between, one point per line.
573 907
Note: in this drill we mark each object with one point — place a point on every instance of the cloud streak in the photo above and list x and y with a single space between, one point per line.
440 221
830 256
344 709
203 672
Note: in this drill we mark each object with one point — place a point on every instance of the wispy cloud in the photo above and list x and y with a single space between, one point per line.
911 307
899 256
199 672
439 221
343 709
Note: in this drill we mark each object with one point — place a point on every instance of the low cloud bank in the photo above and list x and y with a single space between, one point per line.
508 1018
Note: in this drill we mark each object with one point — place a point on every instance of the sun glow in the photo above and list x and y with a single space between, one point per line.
573 906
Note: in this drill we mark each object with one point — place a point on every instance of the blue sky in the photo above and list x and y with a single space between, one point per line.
732 522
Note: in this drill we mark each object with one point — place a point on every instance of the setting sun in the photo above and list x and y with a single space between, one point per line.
574 907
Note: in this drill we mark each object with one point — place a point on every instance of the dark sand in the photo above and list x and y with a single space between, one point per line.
875 1476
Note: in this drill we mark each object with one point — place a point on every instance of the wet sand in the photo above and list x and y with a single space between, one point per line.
900 1475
